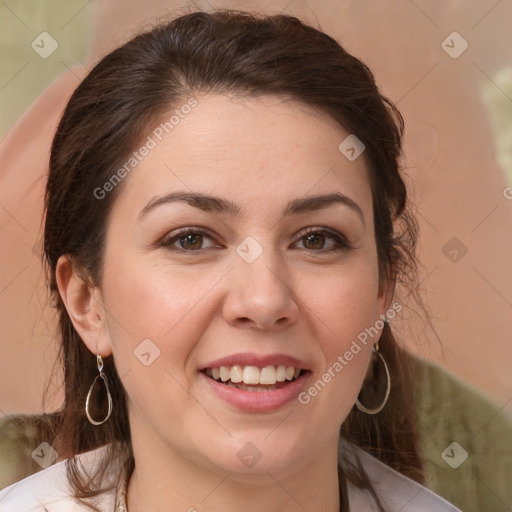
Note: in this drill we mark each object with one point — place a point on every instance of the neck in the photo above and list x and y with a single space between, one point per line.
158 483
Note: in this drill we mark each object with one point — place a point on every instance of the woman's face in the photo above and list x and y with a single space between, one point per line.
209 270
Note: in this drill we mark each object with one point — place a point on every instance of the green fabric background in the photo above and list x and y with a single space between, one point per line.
24 75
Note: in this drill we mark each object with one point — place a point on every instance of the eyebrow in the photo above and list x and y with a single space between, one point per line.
210 203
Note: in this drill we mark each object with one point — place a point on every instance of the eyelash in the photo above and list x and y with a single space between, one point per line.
340 240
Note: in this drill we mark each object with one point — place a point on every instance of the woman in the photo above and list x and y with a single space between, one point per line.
225 226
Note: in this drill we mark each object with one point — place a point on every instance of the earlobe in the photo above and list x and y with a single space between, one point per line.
84 304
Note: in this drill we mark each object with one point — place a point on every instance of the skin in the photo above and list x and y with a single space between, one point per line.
296 298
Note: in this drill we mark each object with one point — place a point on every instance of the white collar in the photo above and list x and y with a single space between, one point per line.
49 489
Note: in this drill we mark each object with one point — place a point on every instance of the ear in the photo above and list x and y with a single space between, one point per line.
84 304
386 290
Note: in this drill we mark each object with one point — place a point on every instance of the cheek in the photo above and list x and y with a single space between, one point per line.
155 320
345 301
161 305
346 314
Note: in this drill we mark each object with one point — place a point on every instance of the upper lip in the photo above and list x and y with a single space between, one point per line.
252 359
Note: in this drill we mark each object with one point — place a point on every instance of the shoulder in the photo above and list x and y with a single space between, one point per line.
451 409
49 489
396 491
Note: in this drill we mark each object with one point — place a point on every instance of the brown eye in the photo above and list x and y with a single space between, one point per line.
314 241
191 241
188 240
320 240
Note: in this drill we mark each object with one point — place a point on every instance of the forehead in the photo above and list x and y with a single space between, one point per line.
254 150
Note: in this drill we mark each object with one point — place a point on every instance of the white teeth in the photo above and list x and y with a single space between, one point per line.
237 374
281 373
268 375
252 375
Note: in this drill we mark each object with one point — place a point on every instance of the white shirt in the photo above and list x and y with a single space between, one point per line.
49 490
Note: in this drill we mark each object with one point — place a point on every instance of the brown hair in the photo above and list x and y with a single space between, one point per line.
113 109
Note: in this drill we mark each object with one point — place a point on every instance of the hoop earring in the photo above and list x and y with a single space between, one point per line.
359 405
99 362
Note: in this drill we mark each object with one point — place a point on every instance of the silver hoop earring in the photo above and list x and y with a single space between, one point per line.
99 362
364 409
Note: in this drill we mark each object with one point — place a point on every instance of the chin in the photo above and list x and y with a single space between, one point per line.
254 456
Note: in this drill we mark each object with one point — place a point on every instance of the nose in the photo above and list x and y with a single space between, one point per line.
260 294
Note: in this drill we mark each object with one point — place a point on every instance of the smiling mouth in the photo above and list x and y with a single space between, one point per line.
254 378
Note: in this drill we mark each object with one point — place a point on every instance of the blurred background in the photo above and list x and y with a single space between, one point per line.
447 65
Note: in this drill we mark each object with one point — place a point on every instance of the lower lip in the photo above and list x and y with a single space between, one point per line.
257 401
